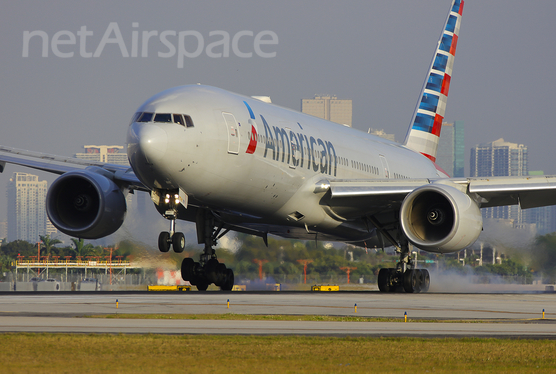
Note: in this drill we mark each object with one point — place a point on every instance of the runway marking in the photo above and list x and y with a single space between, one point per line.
360 308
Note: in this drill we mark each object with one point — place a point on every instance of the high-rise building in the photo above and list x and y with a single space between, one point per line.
104 153
382 134
3 230
330 108
544 218
451 149
26 207
500 158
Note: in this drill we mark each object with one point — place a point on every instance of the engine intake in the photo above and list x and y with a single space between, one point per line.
85 204
440 218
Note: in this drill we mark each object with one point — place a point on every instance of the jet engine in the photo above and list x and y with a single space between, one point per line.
440 218
85 204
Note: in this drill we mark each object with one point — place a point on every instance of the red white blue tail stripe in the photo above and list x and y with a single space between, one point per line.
424 132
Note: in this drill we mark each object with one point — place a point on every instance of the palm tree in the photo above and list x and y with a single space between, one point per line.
48 243
81 249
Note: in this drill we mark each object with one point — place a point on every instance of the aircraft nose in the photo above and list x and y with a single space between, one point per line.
150 140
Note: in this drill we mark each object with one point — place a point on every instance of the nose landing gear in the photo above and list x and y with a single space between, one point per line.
171 238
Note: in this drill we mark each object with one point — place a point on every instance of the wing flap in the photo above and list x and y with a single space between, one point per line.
367 188
348 199
528 192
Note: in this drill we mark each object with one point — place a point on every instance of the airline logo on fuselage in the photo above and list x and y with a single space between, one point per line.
252 141
295 148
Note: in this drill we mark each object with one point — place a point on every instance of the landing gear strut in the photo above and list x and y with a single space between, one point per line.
208 270
404 276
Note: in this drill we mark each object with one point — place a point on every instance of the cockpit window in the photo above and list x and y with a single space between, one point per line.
145 117
178 118
183 120
136 117
188 121
163 117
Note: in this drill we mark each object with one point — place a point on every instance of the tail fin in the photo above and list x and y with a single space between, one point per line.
424 133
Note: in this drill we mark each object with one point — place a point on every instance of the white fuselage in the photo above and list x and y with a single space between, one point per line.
260 162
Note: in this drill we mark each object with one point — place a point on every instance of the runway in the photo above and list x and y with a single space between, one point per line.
506 315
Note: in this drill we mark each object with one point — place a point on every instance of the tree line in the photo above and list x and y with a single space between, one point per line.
288 257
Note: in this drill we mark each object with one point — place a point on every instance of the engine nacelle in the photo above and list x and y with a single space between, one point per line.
85 205
440 218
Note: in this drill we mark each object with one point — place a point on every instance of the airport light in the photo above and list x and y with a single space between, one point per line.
305 263
260 263
348 270
38 256
111 249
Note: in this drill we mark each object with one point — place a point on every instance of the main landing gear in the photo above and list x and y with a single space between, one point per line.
404 275
208 270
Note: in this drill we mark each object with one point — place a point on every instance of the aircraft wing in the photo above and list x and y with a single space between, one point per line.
350 198
121 174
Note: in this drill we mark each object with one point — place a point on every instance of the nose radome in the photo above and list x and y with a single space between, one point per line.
152 141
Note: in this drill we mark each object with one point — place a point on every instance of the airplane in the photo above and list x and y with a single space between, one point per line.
229 162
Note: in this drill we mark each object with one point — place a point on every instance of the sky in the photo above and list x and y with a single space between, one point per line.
374 52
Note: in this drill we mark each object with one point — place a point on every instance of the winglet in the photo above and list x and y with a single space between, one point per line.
426 123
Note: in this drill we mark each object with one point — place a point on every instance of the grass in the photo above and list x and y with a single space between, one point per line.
74 353
252 317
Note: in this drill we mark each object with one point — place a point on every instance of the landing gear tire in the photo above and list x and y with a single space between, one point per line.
384 283
228 283
202 286
164 241
426 280
187 269
412 281
211 271
178 242
221 271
